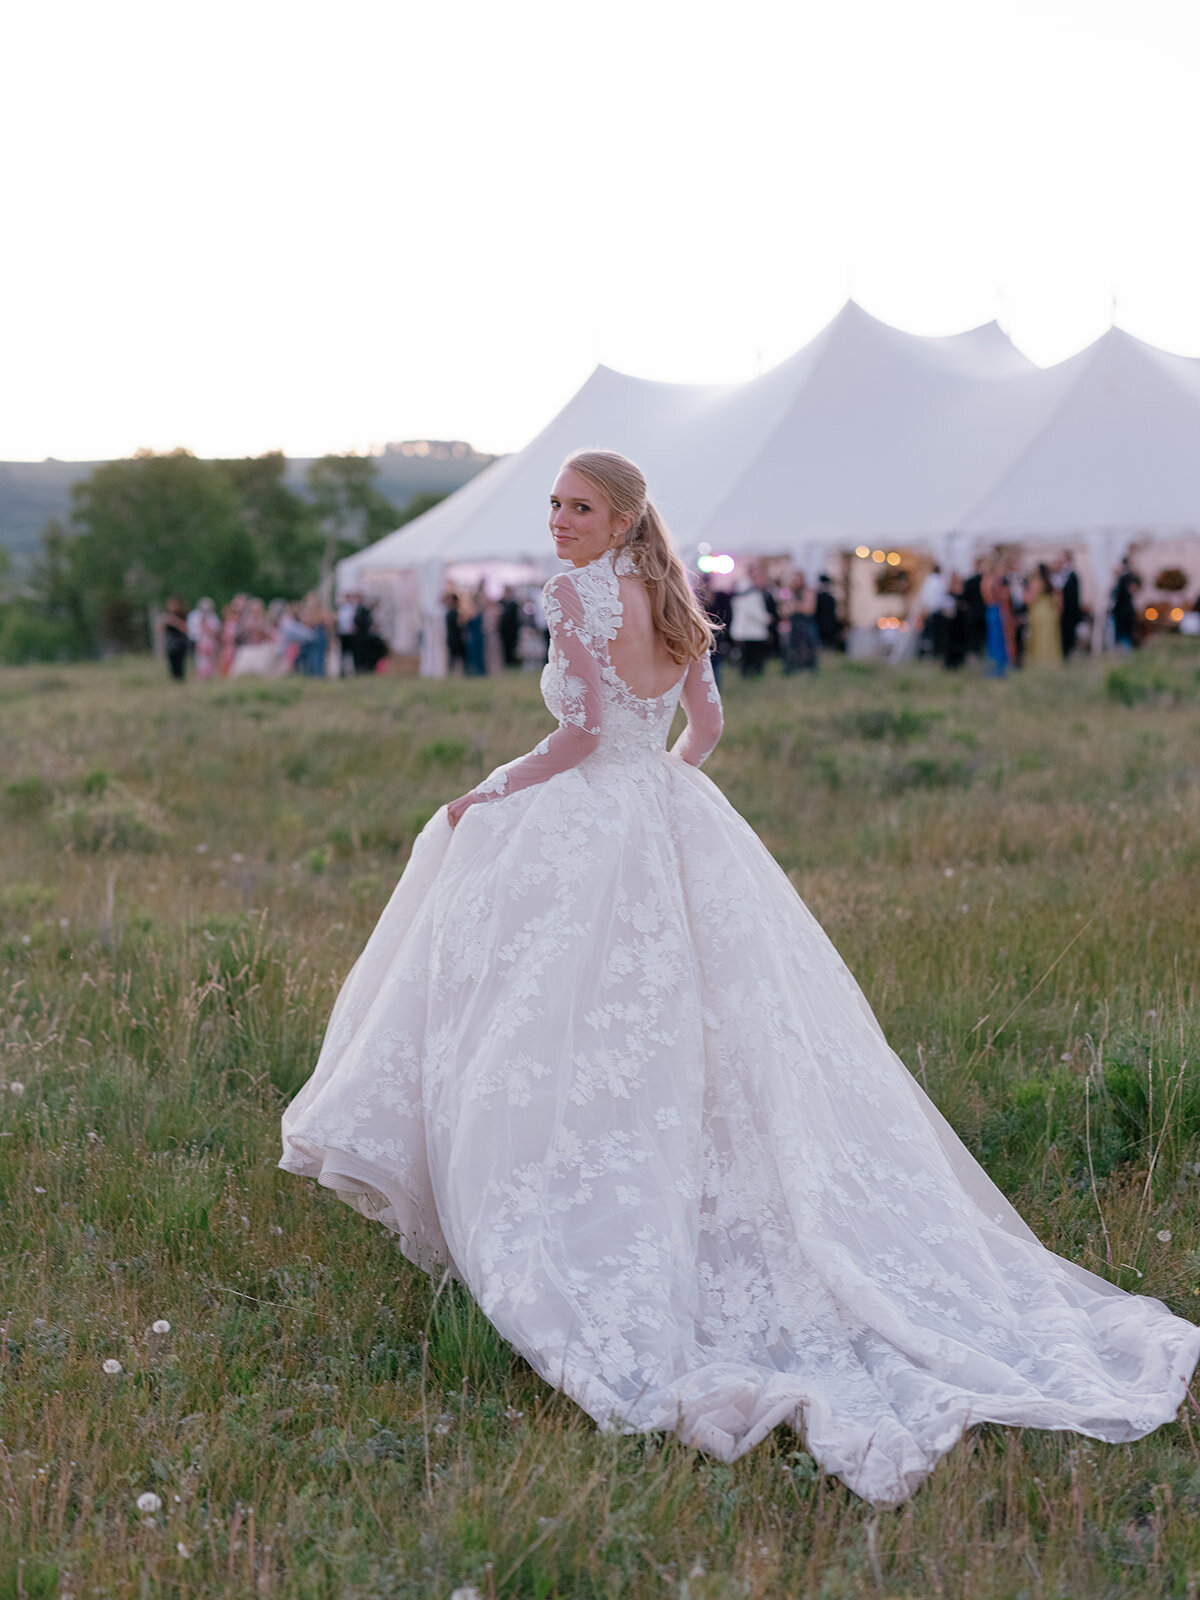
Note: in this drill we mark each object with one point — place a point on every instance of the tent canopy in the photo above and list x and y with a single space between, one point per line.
866 434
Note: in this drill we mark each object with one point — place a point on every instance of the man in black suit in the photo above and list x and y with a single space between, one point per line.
1072 611
829 624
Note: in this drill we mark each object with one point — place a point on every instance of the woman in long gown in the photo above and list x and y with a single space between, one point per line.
1045 622
599 1060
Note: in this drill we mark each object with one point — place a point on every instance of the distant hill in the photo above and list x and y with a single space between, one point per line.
31 492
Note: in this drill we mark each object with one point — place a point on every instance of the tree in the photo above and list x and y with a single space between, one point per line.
283 527
351 508
150 526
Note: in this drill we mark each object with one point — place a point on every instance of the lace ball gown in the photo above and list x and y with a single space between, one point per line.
599 1059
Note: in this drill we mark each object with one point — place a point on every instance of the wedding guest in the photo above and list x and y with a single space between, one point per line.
1123 614
260 652
829 624
207 638
956 623
473 635
1045 648
231 626
974 614
994 595
750 625
456 644
314 614
1016 623
1066 582
926 618
509 628
367 646
802 652
715 604
294 636
175 638
345 633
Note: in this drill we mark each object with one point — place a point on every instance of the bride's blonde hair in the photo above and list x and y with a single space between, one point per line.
678 619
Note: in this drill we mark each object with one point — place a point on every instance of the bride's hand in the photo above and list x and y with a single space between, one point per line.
456 808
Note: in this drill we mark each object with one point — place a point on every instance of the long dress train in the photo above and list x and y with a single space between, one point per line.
599 1058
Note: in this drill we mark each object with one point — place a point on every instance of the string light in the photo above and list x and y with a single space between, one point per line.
863 551
878 555
893 559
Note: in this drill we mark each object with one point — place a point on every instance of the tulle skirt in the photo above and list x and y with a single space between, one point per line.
599 1059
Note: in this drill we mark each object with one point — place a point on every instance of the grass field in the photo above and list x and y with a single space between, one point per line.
1012 870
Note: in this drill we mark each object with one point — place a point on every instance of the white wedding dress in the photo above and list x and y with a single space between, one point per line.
599 1059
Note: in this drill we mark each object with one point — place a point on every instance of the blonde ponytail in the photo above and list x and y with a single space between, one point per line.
678 618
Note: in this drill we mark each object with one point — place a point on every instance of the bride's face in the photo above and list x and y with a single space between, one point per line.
581 520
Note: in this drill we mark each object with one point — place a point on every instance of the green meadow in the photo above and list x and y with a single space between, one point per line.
1012 870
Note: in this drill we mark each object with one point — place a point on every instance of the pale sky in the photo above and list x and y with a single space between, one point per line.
245 224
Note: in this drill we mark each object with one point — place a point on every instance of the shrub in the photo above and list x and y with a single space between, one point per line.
27 797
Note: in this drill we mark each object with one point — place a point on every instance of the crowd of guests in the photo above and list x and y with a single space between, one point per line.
1005 616
252 639
758 620
1011 618
486 636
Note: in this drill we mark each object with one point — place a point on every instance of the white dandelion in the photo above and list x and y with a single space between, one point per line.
1163 1236
112 1366
161 1326
149 1502
183 1550
16 1088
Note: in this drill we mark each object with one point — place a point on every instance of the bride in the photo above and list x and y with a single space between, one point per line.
599 1060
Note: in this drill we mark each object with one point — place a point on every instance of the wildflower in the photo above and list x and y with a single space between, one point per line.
149 1502
201 849
237 856
947 872
16 1088
513 1414
467 1592
37 1189
1163 1236
112 1366
161 1326
183 1550
64 923
26 939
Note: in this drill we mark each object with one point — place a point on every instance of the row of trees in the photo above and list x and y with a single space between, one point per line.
153 525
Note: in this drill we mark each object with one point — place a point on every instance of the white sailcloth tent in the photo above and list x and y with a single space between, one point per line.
1116 459
866 434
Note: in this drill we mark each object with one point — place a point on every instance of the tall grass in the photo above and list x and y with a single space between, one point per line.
1010 869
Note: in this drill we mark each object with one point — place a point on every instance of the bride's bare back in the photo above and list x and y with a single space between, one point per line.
640 658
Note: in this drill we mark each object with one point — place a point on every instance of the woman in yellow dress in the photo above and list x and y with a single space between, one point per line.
1045 629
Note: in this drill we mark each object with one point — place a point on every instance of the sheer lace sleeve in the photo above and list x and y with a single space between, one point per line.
701 701
577 669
